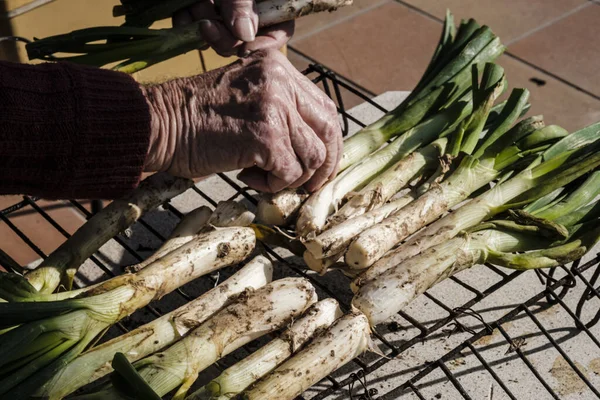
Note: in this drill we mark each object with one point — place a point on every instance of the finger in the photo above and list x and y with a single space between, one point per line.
203 10
182 17
218 37
328 132
241 18
319 111
308 148
287 170
185 17
321 116
276 157
340 146
255 178
273 37
327 170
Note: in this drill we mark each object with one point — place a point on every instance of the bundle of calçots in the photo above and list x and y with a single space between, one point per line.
449 179
400 249
260 312
459 176
47 339
134 47
43 336
42 331
158 334
544 234
238 377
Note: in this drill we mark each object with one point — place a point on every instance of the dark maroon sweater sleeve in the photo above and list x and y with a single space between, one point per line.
69 131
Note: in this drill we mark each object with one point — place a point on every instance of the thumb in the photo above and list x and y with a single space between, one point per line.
241 18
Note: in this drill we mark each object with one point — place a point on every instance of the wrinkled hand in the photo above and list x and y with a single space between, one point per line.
258 114
235 31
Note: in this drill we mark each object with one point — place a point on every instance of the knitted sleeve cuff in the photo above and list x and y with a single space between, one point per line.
70 131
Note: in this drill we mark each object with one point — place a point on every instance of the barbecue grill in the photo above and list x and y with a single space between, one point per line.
468 330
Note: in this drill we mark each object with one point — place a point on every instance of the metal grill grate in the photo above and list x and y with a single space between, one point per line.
356 380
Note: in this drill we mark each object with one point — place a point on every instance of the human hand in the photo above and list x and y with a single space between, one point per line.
235 31
258 114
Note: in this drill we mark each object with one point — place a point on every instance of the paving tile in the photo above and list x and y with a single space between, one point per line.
8 50
569 48
9 5
509 19
36 228
386 48
10 243
349 99
558 102
310 24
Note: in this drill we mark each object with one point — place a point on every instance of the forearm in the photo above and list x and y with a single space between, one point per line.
68 131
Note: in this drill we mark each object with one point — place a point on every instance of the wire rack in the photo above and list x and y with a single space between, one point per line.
571 288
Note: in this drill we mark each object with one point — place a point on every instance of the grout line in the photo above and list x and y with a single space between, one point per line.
339 21
553 75
420 11
338 75
512 55
547 24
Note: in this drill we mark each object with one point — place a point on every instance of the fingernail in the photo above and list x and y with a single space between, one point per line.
244 53
210 31
244 29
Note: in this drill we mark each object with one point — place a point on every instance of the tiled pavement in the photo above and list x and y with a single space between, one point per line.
553 47
385 45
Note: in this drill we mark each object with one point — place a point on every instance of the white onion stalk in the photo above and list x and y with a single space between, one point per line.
279 208
333 241
346 339
231 213
472 173
565 161
271 12
226 214
503 243
319 206
190 225
391 291
260 312
158 334
391 181
322 265
455 120
69 326
244 373
395 288
375 241
61 265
